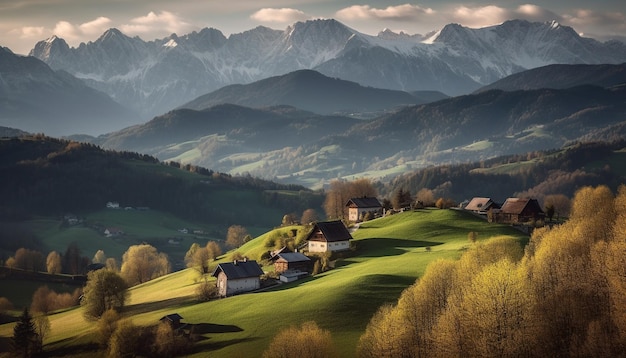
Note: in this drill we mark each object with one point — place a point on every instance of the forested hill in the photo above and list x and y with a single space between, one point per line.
45 176
536 174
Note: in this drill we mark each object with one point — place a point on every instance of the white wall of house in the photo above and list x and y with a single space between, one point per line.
320 246
232 287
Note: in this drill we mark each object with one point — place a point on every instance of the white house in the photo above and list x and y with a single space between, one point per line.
358 207
113 205
237 276
329 236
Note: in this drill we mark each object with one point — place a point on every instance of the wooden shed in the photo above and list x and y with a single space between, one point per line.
294 261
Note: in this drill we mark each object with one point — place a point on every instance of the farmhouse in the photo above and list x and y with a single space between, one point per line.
329 236
113 232
237 276
481 205
517 210
293 261
359 207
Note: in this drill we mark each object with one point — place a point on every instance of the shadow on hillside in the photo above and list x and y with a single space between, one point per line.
376 247
286 286
68 348
205 328
157 305
207 347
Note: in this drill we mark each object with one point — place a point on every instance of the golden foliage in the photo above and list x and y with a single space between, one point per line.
564 295
306 341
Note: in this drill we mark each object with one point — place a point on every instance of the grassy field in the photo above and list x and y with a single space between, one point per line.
390 254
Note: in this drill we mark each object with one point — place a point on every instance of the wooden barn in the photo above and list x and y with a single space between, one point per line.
517 210
329 236
481 205
294 261
237 277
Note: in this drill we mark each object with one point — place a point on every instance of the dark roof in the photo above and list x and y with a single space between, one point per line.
518 205
480 204
332 231
239 269
365 202
172 317
291 257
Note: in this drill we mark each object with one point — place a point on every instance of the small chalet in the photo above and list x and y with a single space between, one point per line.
329 236
237 277
293 261
481 205
173 320
358 207
517 210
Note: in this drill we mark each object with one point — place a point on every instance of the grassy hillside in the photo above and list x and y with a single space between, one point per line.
390 254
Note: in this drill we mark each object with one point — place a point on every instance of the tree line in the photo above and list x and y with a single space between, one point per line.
564 294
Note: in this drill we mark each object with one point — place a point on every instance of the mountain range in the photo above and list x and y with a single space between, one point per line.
152 77
288 144
35 98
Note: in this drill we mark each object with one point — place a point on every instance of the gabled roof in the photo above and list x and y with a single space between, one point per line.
291 257
332 231
173 317
480 204
518 205
365 202
239 269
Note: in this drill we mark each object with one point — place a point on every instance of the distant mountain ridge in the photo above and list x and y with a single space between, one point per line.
311 91
37 99
156 76
294 146
562 76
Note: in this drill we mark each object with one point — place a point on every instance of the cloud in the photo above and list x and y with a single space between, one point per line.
589 17
67 31
480 16
153 24
284 15
96 26
29 32
406 12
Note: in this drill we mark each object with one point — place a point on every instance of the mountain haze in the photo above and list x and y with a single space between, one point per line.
35 98
562 76
155 76
308 90
286 144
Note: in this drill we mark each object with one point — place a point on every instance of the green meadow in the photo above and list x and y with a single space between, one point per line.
390 254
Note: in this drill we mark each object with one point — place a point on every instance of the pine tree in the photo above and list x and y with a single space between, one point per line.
24 333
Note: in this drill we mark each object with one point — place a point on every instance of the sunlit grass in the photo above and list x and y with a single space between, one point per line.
390 254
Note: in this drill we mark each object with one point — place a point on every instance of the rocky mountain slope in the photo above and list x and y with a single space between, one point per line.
35 98
153 77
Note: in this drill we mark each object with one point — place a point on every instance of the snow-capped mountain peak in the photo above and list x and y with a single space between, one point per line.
152 77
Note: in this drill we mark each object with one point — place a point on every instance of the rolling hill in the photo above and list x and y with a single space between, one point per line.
44 179
390 254
311 91
293 146
560 76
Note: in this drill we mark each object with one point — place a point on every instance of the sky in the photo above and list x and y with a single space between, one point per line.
25 22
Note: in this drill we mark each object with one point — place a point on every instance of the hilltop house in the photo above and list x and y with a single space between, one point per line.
113 232
237 277
359 207
517 210
481 205
329 236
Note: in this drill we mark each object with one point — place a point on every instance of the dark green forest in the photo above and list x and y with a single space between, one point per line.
536 174
52 177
